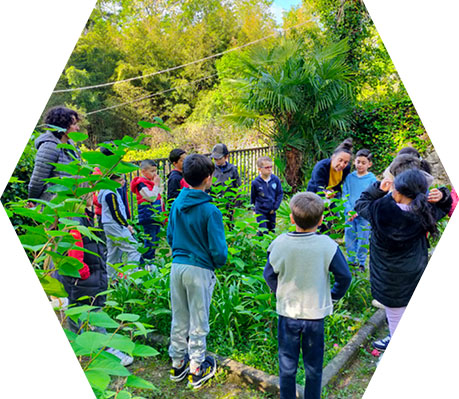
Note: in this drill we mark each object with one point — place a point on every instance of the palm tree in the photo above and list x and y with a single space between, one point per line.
300 97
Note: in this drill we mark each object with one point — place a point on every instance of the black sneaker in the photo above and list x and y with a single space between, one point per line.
180 373
362 268
381 344
205 372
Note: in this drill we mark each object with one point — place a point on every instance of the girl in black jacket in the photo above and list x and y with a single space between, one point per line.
400 223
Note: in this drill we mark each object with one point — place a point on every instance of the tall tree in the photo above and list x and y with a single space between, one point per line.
300 96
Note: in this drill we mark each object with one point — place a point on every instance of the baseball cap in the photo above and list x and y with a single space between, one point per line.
219 151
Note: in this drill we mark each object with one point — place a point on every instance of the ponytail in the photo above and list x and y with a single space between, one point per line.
413 184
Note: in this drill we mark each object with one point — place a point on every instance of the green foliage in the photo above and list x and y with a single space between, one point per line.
385 126
301 97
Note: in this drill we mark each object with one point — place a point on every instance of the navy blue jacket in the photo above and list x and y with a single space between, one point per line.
266 197
321 175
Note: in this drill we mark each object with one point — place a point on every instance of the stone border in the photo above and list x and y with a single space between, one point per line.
270 383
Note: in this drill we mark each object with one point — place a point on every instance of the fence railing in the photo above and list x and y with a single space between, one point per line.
245 161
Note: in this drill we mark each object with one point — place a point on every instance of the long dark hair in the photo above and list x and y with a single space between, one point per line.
413 184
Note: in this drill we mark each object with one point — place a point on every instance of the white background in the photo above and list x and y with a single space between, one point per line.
37 38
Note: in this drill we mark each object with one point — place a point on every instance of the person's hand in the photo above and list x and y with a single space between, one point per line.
435 195
386 184
157 180
272 211
30 204
352 215
330 194
131 229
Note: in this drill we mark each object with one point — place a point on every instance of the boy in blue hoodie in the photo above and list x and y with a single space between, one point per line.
357 234
196 235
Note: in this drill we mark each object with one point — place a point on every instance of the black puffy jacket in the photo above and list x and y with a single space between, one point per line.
398 244
97 281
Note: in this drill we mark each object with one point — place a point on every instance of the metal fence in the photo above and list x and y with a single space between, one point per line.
245 161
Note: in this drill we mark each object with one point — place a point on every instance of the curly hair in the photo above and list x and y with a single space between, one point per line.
61 117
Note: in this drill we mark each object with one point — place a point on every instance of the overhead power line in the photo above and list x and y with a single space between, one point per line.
150 95
179 66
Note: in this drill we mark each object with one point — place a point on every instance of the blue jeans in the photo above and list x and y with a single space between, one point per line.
150 242
308 336
355 236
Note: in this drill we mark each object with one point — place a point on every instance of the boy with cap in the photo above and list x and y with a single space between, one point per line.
224 170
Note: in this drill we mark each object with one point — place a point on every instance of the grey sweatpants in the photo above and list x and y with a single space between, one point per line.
119 241
191 293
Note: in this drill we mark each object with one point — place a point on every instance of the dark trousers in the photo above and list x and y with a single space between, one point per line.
267 220
150 242
308 336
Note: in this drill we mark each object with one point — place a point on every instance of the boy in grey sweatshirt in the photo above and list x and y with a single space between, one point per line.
298 271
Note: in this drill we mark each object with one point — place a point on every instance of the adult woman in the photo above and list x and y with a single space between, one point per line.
328 174
63 121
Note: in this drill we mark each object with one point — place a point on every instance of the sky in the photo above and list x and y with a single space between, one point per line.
421 361
280 6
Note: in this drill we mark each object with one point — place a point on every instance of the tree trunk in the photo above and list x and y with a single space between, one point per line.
294 159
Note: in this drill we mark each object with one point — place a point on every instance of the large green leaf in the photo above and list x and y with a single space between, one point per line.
92 341
51 286
144 351
97 158
121 342
136 382
98 379
109 364
78 136
128 317
102 319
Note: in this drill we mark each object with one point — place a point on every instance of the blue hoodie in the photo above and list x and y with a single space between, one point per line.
355 185
195 231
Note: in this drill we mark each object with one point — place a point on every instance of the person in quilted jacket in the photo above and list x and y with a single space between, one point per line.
62 121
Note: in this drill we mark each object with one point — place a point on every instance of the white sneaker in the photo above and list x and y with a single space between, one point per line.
377 304
59 303
126 360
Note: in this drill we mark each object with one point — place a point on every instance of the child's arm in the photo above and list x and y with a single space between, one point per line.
75 253
279 195
270 276
372 193
217 241
151 195
340 270
253 194
173 187
115 209
346 193
442 205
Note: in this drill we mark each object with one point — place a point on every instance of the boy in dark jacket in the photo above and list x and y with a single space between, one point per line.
175 180
147 189
196 235
266 194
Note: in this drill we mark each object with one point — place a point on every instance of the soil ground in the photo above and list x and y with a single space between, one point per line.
351 384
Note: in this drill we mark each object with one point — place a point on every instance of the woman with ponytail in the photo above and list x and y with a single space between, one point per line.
399 222
328 174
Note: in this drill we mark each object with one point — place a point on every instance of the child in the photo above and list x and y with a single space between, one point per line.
224 170
147 189
298 271
398 245
119 234
196 235
266 194
93 276
357 234
175 180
